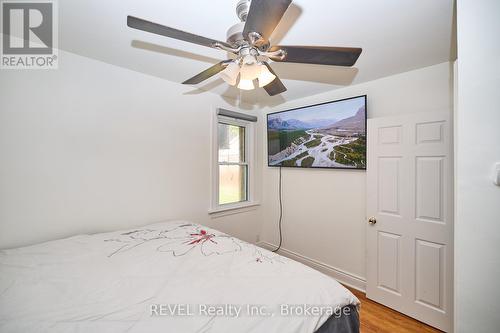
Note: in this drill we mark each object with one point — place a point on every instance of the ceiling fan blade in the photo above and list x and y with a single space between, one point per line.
155 28
264 15
336 56
208 73
276 86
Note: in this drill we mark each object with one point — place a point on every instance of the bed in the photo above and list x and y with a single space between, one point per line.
166 277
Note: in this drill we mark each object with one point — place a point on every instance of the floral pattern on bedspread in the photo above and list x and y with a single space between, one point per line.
261 258
179 240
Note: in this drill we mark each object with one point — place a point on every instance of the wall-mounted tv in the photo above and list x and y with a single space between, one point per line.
327 135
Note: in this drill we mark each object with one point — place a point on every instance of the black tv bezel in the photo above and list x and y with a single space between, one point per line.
306 106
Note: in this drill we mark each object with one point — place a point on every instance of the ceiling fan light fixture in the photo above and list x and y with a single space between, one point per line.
246 84
249 59
230 73
265 76
250 71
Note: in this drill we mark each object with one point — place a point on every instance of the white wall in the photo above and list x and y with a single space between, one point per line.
477 221
92 147
324 210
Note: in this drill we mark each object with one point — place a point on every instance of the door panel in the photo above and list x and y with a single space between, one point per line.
429 273
388 178
429 187
389 135
431 132
409 248
389 262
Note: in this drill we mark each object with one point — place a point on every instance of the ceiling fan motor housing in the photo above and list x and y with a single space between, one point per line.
235 34
242 9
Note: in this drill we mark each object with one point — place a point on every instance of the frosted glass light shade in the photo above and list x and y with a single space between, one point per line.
249 60
230 73
265 76
250 72
246 84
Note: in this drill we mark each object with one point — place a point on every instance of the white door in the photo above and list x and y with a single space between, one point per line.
410 235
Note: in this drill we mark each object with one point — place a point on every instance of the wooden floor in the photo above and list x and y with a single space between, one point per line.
376 318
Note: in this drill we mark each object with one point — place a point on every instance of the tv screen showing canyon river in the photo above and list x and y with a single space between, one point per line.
329 135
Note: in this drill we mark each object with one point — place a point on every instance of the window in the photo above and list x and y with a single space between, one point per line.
233 165
233 168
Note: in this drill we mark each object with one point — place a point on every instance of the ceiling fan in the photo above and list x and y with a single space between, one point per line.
249 42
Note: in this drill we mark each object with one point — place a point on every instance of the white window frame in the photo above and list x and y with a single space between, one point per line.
250 163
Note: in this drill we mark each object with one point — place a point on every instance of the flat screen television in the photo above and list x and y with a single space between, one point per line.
326 135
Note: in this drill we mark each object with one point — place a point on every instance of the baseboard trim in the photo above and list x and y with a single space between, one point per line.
343 277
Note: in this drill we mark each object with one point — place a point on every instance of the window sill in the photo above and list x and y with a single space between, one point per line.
233 209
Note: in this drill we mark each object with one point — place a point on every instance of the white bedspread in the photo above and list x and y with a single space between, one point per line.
164 277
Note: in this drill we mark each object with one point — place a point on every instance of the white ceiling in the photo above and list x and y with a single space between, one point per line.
396 36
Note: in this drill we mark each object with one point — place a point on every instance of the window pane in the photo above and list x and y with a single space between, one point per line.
231 143
232 183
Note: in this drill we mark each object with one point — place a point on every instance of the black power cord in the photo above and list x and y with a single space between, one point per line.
281 215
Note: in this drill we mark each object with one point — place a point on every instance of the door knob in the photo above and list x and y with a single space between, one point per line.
372 220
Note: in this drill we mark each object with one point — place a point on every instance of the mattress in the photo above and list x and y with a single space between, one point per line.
165 277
